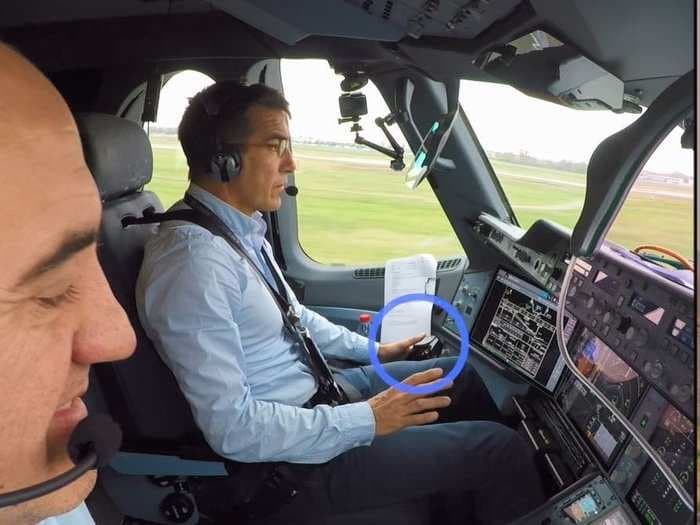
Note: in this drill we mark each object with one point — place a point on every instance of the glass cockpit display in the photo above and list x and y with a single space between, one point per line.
516 324
618 382
651 497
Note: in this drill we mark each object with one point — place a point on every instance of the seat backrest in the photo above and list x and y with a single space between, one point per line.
141 393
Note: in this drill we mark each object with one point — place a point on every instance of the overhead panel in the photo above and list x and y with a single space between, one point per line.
450 18
383 20
291 22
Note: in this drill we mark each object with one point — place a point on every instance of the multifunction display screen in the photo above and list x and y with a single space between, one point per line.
617 381
652 497
517 325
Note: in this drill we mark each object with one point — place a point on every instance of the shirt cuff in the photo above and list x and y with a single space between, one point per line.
356 422
360 348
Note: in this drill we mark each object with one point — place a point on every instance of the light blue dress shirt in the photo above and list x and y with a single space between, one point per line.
78 516
219 330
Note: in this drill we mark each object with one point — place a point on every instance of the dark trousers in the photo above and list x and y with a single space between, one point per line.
468 455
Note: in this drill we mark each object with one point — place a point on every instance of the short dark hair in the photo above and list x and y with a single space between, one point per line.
218 112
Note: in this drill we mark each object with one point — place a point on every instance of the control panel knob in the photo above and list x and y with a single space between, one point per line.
612 319
642 337
590 302
654 370
682 393
638 336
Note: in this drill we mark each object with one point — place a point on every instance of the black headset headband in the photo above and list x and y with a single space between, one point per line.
215 100
223 165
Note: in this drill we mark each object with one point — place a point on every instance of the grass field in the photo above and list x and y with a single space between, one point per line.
353 210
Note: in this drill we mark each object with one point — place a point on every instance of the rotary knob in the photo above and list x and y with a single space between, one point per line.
654 370
683 393
611 319
638 336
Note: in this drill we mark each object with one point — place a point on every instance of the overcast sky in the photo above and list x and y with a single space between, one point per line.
504 119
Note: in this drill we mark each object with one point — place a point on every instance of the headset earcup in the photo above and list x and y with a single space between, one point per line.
232 166
225 167
215 166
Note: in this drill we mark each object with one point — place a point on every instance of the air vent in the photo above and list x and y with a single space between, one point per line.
368 273
388 8
448 264
378 273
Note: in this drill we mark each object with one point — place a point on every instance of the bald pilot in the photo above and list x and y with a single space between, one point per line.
57 313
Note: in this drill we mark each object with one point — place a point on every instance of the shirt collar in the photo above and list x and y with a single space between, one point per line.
251 229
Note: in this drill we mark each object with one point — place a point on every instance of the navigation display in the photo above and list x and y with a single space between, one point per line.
618 382
652 497
516 324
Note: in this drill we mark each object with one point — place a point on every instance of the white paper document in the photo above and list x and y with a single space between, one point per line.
409 275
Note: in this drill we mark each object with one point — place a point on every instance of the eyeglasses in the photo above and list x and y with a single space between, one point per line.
281 147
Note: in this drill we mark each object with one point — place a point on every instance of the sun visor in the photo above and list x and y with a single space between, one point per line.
583 84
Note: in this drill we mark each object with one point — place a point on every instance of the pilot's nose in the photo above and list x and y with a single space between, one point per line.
288 165
104 332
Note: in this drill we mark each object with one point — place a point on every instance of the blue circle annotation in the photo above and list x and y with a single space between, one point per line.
463 346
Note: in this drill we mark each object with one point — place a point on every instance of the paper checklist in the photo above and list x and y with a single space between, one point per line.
409 275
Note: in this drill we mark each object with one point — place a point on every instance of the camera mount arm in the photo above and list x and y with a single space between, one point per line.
396 153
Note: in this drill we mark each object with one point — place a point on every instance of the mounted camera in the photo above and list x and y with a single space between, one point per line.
353 106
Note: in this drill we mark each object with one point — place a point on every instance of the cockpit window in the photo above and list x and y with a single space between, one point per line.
538 150
658 211
352 208
169 179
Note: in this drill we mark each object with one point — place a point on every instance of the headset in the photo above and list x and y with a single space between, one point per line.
224 166
92 444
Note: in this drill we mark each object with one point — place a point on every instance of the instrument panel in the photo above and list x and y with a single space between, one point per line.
630 331
645 318
651 496
517 326
620 384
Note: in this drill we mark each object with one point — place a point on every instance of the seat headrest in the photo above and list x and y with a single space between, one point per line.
117 152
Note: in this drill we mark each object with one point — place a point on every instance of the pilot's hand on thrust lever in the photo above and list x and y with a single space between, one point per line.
394 410
397 350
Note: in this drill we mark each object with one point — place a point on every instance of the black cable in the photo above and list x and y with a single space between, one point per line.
41 489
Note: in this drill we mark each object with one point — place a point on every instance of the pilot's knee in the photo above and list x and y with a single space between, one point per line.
506 445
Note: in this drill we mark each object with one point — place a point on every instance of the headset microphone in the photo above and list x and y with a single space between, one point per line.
291 191
92 444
